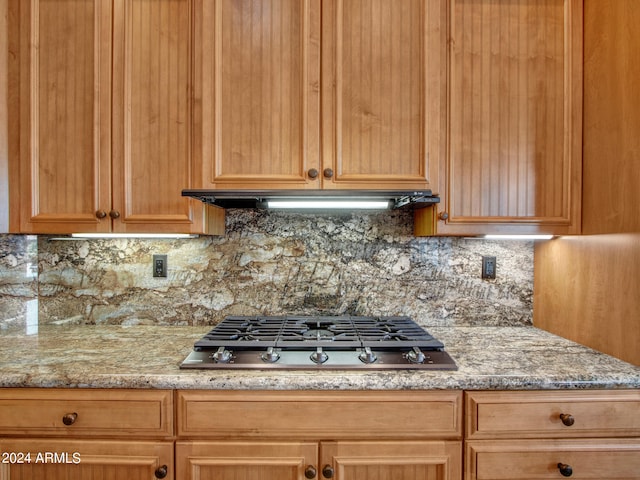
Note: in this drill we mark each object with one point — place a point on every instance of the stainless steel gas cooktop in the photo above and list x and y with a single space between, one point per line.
318 342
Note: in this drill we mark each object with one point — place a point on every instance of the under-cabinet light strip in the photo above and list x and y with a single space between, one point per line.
518 237
133 235
329 204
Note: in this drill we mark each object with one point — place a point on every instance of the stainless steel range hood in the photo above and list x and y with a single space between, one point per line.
315 199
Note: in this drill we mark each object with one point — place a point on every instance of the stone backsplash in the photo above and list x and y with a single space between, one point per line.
270 263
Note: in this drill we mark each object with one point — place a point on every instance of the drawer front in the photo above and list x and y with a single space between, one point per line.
553 414
320 415
86 412
528 459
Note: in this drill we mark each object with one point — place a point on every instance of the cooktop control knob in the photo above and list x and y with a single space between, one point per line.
222 356
415 355
367 356
270 356
319 356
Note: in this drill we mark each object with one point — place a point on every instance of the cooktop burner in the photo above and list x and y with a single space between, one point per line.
341 342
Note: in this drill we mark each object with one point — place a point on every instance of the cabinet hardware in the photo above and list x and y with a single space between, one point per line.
114 214
567 419
69 418
161 471
327 471
101 214
310 472
565 469
443 216
313 173
328 173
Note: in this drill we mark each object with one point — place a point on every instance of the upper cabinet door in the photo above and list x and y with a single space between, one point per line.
514 162
261 93
153 121
101 102
384 79
60 74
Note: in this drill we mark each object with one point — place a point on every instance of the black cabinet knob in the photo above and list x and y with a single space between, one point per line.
161 471
328 173
313 173
327 471
565 470
310 472
69 418
567 419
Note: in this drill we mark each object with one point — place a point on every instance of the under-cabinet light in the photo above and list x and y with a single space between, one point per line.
133 235
518 237
329 204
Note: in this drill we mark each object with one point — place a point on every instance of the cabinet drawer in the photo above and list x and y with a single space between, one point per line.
86 412
527 459
322 415
553 414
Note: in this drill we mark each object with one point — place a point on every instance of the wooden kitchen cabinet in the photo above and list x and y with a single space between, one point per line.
418 460
584 434
514 149
296 435
332 95
88 434
611 117
383 93
102 117
54 459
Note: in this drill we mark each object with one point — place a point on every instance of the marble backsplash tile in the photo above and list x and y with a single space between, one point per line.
276 263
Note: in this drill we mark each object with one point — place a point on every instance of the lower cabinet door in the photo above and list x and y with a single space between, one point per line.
601 459
59 459
204 460
428 460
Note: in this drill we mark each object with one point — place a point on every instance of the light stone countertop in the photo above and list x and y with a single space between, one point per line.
504 358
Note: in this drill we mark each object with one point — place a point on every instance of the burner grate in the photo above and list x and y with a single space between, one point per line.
332 333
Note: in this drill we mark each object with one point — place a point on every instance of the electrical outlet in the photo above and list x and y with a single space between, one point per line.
488 267
160 266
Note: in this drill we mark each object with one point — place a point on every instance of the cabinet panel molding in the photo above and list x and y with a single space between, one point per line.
153 118
538 414
515 118
540 459
261 93
204 460
87 460
305 414
140 413
64 113
383 93
429 460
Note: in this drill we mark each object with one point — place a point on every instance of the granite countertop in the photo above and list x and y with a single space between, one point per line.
517 358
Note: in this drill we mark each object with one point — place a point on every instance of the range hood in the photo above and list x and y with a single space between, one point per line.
315 199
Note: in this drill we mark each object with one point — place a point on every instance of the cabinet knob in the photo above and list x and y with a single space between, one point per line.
565 470
567 419
69 418
114 214
443 215
328 173
310 472
101 214
161 471
327 471
313 173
